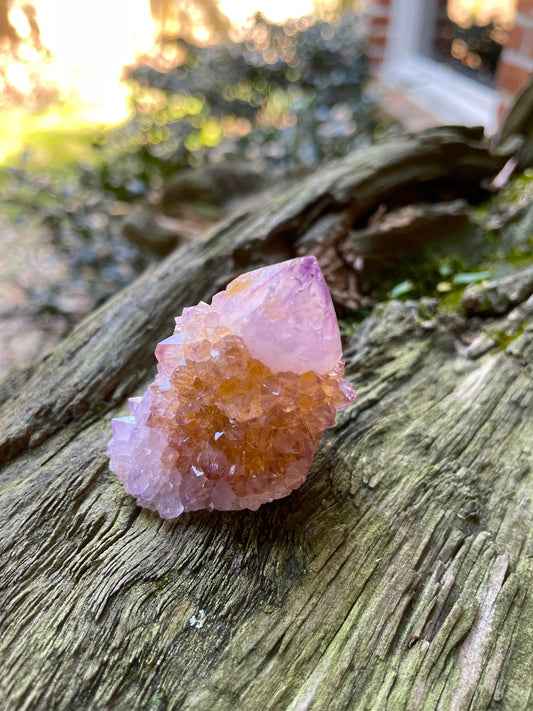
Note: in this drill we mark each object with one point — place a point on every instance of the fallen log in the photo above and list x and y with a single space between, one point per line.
397 576
88 374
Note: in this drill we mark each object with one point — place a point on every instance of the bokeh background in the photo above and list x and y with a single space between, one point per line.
126 128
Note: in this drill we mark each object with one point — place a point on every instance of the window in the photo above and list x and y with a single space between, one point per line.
426 58
469 36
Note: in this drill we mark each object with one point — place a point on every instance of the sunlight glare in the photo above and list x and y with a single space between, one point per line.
274 10
483 11
90 43
19 21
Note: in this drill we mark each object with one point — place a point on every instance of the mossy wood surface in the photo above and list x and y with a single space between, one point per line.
397 577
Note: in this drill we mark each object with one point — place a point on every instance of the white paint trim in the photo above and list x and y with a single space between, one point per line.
405 28
449 96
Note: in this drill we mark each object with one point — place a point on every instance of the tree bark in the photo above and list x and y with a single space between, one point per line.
397 577
7 31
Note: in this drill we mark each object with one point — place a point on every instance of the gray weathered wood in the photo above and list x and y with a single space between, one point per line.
518 122
398 576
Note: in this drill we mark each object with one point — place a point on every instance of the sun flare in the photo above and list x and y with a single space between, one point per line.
91 43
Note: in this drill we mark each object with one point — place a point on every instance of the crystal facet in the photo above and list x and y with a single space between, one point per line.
245 388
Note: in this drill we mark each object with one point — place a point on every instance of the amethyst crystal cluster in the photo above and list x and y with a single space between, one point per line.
245 388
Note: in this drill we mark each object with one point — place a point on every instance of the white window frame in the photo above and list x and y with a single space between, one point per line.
434 87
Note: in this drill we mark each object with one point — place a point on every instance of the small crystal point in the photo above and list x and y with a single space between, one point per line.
287 319
245 388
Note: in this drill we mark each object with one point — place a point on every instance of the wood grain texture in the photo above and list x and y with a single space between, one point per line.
397 577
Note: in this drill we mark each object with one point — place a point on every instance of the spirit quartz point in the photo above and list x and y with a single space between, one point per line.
245 388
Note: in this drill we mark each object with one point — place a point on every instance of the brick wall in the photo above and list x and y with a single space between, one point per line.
379 11
516 63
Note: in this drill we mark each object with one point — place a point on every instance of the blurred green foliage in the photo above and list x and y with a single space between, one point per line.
278 97
281 96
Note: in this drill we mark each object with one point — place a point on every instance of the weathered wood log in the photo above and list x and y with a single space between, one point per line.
398 576
88 374
516 134
215 185
518 122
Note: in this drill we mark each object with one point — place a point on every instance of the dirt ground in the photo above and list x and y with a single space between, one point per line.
28 265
